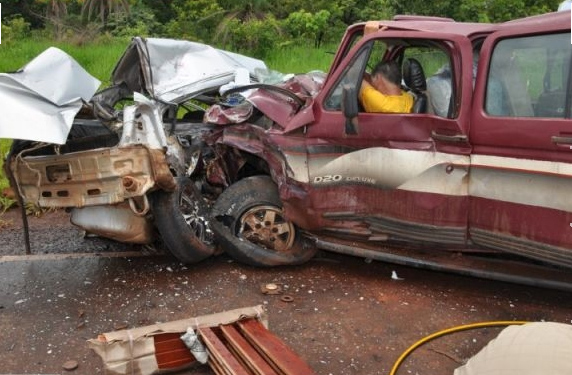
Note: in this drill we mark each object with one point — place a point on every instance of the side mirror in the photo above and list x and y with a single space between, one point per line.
350 108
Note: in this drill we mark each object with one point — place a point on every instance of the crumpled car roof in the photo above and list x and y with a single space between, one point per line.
170 70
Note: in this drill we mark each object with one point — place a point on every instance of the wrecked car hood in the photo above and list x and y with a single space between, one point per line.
271 101
170 70
40 101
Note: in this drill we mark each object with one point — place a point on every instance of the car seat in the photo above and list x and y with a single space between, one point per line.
414 79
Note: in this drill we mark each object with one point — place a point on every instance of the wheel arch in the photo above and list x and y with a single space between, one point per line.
233 203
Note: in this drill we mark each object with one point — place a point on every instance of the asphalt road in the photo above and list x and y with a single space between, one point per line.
348 316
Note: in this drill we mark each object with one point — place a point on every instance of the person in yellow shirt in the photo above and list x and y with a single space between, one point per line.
381 92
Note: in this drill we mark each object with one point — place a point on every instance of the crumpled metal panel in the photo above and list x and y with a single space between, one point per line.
117 222
172 69
217 114
95 177
40 101
280 108
275 105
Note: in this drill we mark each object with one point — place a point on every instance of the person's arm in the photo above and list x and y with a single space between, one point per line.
371 99
376 102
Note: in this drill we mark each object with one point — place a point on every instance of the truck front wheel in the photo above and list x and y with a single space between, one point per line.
250 226
181 218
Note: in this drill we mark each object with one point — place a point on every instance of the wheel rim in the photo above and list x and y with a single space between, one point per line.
191 211
267 227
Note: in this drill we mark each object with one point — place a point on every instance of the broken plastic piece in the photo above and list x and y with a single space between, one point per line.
195 346
394 276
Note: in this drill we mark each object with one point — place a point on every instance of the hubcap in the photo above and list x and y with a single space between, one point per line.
266 226
191 210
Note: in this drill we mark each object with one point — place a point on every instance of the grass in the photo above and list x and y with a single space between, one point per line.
5 203
301 59
99 59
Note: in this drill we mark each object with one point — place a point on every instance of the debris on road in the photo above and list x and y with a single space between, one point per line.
70 365
196 347
248 347
146 350
271 288
231 342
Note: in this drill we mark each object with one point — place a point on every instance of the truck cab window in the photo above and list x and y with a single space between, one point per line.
437 68
351 76
528 77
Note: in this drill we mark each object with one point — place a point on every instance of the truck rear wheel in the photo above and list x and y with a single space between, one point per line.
249 224
181 218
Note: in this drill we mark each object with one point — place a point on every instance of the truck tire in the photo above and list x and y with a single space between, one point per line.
181 218
249 225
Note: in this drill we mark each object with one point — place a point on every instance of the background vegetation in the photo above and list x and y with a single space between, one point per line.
255 27
292 36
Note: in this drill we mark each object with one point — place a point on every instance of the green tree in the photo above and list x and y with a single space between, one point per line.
256 37
56 13
30 11
14 29
475 10
251 20
139 21
246 9
102 9
163 10
195 19
302 24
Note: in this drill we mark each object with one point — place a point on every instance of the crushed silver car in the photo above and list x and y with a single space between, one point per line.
123 172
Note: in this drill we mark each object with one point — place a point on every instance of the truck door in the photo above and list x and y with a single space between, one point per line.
389 176
521 166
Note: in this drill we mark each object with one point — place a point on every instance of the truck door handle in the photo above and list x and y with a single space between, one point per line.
448 138
560 140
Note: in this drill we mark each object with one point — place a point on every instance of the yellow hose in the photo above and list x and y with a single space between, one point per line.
446 332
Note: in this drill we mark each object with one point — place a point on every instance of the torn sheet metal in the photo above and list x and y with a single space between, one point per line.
174 69
40 101
134 351
274 104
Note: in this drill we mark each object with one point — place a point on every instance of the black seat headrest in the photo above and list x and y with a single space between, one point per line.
413 75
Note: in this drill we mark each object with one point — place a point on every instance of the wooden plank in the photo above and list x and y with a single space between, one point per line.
216 366
272 347
251 357
221 353
174 359
171 352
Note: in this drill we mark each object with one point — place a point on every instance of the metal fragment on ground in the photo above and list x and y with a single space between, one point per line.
271 288
70 365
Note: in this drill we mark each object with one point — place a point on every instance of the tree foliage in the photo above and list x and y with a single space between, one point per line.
253 26
310 26
103 9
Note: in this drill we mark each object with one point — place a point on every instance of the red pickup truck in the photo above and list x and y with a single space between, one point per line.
483 162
